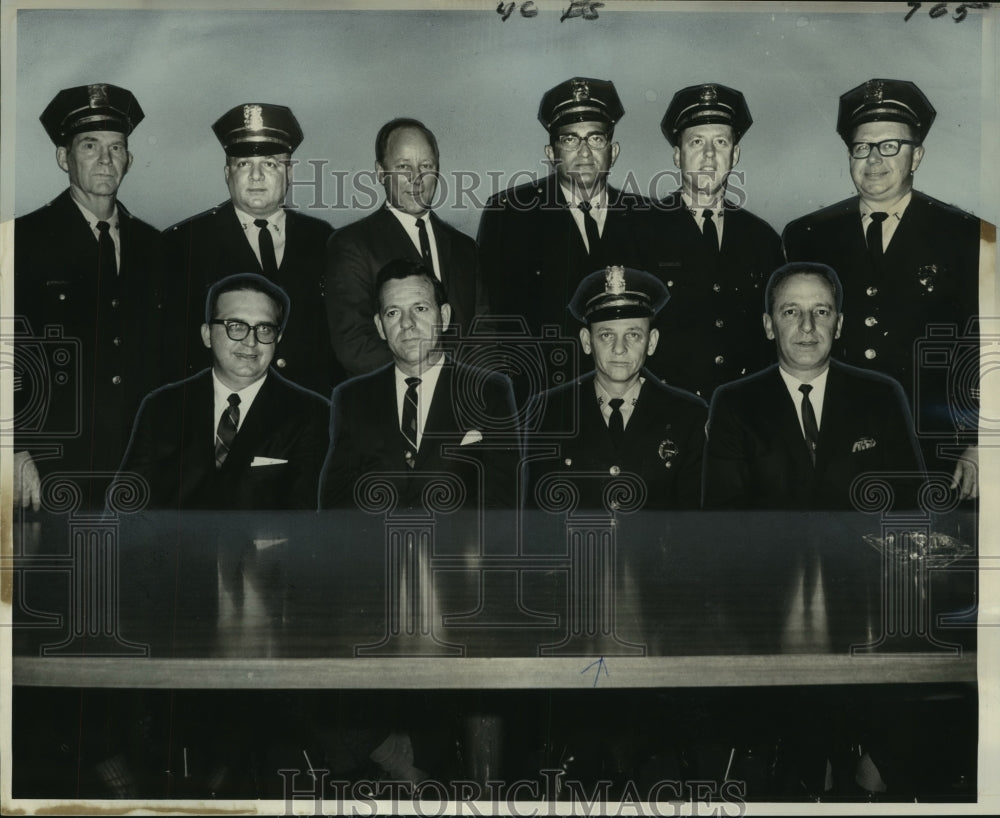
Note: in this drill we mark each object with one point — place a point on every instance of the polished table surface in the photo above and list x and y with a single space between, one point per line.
357 600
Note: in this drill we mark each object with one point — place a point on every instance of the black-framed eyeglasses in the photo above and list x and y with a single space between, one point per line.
571 141
887 147
238 330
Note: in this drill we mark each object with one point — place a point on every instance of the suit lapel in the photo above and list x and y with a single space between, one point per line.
238 242
392 233
835 411
440 418
258 423
785 422
444 253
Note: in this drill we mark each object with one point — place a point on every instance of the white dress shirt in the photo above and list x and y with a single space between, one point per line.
425 394
818 385
275 224
222 393
631 398
409 223
598 209
718 215
113 231
890 224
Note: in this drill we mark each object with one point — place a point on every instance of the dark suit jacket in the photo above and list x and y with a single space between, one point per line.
212 245
110 326
756 456
357 252
663 443
365 438
710 330
173 448
533 256
930 276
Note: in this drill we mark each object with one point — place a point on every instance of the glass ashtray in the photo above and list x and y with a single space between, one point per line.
936 549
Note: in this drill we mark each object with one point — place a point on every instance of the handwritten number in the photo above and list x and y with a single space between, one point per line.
914 7
528 9
960 13
587 9
505 12
938 10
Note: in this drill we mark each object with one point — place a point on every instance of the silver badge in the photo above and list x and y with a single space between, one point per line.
873 91
581 90
253 118
614 280
709 95
98 95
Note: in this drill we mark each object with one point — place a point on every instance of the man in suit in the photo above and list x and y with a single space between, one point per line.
237 436
254 232
713 255
87 277
407 162
421 413
796 435
620 419
909 262
539 240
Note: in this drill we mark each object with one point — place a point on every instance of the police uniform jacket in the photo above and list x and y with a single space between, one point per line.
95 339
929 276
710 330
357 252
533 255
365 439
756 456
213 245
663 445
285 431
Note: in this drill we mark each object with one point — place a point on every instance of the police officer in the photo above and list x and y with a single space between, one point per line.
254 232
87 277
908 262
620 421
713 255
538 241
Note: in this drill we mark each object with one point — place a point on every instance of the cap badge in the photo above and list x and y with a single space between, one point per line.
709 95
98 95
873 91
581 90
253 118
614 281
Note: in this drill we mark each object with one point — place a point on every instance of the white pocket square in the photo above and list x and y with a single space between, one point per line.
266 461
864 444
472 436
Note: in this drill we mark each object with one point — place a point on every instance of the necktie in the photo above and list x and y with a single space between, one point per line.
425 245
873 236
226 432
593 234
709 232
409 426
267 258
106 262
616 423
809 421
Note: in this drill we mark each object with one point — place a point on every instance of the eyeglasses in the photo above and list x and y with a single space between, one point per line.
571 141
238 330
887 147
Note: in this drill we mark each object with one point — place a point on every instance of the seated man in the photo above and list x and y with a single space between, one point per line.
237 435
410 417
796 435
619 419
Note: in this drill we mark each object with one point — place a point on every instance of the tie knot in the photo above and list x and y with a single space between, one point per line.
805 389
584 206
103 227
420 223
412 383
616 404
878 216
707 214
234 399
261 223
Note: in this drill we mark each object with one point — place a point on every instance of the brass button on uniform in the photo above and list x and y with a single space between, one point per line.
870 354
871 321
117 379
281 363
717 288
872 291
614 471
719 360
117 341
62 296
114 303
719 323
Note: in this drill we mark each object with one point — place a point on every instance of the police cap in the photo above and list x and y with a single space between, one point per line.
707 104
258 129
885 101
618 292
580 99
97 107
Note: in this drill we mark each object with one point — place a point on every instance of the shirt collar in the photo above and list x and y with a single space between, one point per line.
631 397
793 383
718 209
276 220
247 393
92 220
408 218
574 198
897 209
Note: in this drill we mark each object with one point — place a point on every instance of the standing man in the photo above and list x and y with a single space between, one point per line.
87 277
254 232
713 255
909 262
407 163
796 435
238 435
620 418
538 241
403 418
